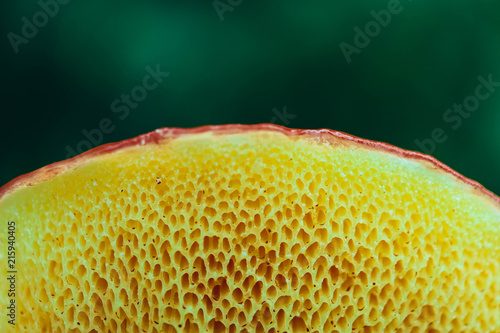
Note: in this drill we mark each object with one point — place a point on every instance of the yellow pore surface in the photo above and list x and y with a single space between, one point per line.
254 232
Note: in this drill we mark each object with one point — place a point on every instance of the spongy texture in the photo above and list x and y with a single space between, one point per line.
254 232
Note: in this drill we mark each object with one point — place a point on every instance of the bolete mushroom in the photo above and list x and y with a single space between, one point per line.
250 228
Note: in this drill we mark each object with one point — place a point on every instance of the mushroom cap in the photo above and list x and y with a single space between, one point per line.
252 228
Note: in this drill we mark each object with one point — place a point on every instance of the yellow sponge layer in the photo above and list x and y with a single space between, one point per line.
253 232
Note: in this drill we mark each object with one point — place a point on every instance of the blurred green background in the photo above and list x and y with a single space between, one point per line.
242 61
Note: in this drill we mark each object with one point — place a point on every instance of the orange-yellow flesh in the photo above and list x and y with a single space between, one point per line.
253 232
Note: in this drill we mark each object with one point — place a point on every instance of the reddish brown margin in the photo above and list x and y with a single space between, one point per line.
158 135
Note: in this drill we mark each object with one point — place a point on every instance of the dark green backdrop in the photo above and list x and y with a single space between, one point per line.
66 64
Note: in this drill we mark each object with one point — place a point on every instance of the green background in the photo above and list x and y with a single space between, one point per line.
240 65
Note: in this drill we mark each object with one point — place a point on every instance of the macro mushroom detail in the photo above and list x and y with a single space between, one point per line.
253 229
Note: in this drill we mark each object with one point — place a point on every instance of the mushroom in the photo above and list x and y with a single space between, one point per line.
250 228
